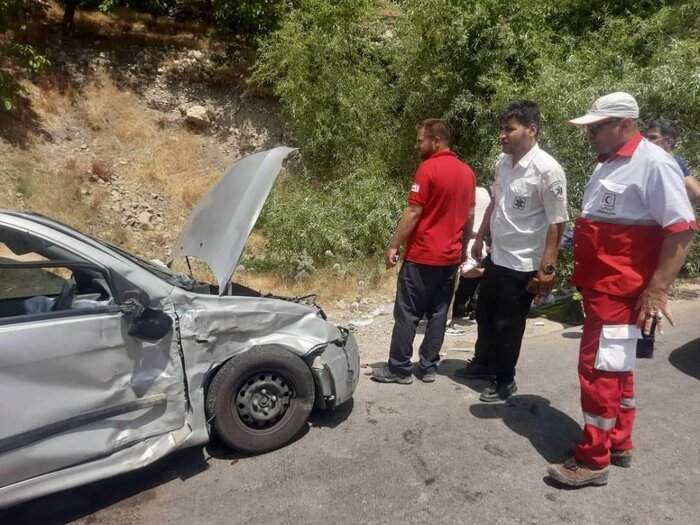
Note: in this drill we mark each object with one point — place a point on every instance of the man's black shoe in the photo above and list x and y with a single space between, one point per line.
475 370
458 312
498 391
427 376
385 375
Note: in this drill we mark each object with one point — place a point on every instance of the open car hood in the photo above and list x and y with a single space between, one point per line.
222 221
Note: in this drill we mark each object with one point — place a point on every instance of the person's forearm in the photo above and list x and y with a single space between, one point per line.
692 186
485 228
674 249
552 243
406 225
467 232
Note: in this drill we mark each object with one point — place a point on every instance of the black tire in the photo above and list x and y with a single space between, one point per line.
260 399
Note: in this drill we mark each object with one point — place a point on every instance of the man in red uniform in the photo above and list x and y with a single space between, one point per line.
435 226
634 232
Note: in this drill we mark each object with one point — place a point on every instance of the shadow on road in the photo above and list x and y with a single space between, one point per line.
73 504
331 418
449 366
551 431
572 335
686 358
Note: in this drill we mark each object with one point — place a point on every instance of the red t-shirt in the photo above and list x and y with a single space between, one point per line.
446 189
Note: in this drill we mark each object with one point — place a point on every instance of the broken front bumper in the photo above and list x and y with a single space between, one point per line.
336 371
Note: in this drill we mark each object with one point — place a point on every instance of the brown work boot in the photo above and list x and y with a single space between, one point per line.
622 458
575 474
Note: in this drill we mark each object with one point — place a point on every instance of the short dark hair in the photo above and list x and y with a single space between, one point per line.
668 128
435 127
525 112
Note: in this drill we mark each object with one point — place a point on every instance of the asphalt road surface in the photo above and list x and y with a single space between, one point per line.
411 453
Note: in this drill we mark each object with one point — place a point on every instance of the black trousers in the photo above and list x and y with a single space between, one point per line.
501 313
465 291
421 290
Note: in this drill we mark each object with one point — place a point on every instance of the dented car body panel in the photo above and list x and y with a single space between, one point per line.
82 399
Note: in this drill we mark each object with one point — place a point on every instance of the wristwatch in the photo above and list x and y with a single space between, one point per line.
549 269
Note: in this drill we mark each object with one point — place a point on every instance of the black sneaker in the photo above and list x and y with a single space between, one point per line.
427 376
459 312
498 391
385 375
475 370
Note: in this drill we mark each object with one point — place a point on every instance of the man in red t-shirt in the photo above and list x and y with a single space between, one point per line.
435 226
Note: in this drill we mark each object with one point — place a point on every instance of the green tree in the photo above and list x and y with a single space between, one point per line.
14 54
253 18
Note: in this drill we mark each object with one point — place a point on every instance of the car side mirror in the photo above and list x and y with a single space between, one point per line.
146 323
152 325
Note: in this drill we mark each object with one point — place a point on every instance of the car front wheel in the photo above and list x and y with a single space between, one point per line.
260 399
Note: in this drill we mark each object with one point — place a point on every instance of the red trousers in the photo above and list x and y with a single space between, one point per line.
607 398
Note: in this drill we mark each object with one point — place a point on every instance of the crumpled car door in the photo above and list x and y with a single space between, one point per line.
77 387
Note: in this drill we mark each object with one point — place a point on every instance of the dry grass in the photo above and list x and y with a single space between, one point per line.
106 107
170 160
135 27
54 192
101 170
368 281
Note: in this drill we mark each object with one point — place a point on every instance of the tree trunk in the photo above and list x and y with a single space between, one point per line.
69 15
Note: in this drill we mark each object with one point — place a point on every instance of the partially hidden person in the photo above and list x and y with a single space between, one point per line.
664 133
470 271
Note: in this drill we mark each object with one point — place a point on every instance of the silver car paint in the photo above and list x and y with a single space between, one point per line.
73 370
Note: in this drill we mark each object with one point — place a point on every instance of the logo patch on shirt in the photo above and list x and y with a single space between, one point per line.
607 203
557 190
519 203
415 187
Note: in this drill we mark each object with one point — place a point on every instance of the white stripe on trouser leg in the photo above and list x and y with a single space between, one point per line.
627 402
603 423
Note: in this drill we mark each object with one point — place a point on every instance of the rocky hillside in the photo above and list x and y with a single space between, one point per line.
131 126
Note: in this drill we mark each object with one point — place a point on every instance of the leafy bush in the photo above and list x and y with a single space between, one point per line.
326 65
249 17
354 77
352 217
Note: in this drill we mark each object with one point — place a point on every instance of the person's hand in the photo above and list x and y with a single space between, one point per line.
392 258
546 283
477 248
653 303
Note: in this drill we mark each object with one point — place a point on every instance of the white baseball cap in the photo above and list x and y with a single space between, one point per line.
614 105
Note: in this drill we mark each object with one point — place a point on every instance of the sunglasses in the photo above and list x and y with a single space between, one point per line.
594 129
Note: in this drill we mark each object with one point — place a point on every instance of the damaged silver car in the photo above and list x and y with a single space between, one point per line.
109 362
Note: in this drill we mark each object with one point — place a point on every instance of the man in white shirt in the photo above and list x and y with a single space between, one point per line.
525 220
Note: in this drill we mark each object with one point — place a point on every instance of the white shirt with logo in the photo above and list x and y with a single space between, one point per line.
528 198
642 189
